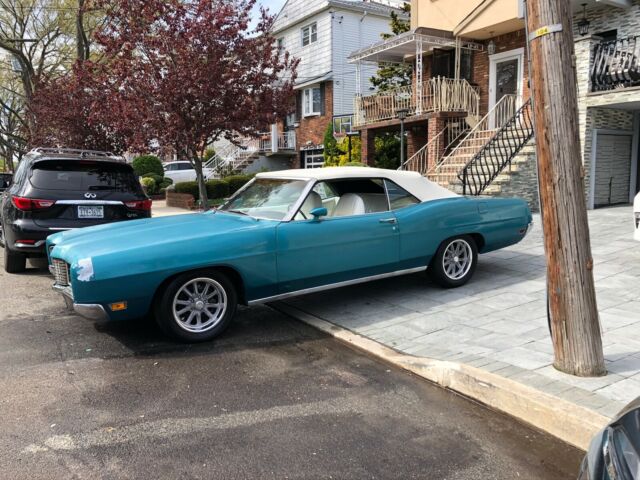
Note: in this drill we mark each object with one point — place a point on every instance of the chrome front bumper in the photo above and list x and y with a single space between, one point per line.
91 311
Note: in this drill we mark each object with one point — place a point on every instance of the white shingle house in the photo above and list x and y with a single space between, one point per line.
322 34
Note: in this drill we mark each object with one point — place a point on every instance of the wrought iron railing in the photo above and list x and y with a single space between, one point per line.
616 63
498 152
496 117
437 95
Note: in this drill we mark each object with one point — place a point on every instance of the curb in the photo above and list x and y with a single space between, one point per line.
571 423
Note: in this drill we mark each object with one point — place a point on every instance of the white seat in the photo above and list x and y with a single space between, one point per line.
349 204
313 201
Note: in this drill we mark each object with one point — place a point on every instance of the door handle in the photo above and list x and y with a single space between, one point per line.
387 220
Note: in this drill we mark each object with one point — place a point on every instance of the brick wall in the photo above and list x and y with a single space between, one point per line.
180 200
312 129
504 43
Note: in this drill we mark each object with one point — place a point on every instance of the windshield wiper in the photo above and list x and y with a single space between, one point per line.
237 211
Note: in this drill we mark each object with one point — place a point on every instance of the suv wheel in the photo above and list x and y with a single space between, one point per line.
14 262
197 306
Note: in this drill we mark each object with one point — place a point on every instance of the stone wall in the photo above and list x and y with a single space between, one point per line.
522 178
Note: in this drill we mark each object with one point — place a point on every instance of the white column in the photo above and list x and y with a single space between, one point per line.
418 73
274 138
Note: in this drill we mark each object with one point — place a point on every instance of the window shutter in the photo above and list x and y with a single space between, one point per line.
299 105
322 97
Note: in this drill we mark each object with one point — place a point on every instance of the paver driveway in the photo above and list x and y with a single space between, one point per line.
498 320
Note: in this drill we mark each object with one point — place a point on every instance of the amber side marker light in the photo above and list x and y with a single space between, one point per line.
117 306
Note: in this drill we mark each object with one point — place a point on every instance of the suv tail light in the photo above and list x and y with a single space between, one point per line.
27 204
139 205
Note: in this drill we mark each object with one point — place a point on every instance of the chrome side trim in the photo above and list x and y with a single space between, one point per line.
89 202
61 229
331 286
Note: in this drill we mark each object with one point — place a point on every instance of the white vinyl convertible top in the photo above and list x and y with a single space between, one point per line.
412 182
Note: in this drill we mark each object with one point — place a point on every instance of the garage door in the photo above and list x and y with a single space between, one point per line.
613 170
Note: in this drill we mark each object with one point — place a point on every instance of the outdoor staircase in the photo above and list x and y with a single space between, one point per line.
493 161
231 158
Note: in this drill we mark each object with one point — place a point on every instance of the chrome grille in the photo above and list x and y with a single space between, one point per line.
60 270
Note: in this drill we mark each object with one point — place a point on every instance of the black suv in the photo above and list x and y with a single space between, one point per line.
60 189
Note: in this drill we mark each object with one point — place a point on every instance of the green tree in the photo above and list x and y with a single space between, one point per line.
331 150
394 75
387 153
356 149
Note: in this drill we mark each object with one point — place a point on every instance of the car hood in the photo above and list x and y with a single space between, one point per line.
135 234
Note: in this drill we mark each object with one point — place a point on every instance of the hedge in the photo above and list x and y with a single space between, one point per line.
157 178
215 188
149 184
236 182
146 164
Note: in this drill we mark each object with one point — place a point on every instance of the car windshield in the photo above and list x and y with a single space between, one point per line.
267 198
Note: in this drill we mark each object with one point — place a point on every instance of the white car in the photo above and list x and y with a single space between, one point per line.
182 171
636 215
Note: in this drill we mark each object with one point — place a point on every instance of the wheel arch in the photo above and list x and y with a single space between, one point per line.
233 275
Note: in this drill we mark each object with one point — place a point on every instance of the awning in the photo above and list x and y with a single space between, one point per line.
407 45
305 82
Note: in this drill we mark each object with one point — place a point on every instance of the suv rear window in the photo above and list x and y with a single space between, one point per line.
83 175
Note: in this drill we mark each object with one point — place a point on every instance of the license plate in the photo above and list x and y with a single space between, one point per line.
91 212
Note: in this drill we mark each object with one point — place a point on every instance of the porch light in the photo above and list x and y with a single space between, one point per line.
402 113
583 24
491 46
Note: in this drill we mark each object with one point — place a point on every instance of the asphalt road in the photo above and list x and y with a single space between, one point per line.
271 399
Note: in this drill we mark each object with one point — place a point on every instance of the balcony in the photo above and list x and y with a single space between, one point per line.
431 96
616 64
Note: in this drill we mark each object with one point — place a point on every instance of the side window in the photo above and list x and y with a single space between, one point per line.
185 166
171 168
358 196
399 197
20 172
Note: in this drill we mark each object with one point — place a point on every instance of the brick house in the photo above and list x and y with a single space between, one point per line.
321 33
468 114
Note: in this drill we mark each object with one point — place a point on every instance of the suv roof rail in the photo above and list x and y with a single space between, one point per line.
77 152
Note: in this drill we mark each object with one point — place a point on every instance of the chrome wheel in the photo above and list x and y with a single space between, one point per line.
199 305
457 259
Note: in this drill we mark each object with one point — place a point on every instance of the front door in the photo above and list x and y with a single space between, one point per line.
505 77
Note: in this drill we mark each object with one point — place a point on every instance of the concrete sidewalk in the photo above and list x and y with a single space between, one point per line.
497 322
159 209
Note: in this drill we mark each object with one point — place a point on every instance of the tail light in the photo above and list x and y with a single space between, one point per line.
27 204
139 205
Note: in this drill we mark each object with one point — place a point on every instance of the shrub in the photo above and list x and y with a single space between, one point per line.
149 185
157 178
165 182
146 164
236 182
217 189
188 187
353 164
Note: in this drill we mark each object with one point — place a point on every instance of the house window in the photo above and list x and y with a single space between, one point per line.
311 101
342 124
309 34
280 44
313 159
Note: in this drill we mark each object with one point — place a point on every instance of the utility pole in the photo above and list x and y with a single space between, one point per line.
575 326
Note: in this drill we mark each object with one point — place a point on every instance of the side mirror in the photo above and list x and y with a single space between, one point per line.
319 212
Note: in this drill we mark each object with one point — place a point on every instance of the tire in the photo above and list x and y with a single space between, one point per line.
182 311
448 267
14 262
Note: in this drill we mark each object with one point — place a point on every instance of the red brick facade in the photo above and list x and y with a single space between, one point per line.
419 134
310 132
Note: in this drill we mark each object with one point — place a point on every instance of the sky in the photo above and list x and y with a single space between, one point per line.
274 7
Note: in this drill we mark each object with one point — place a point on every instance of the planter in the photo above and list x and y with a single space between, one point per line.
180 200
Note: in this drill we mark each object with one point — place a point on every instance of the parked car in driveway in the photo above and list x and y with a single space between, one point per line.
284 233
182 171
614 452
64 189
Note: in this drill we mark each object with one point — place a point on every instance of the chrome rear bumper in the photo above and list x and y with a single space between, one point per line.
91 311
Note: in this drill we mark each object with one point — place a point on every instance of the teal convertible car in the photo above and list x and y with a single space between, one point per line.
284 233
